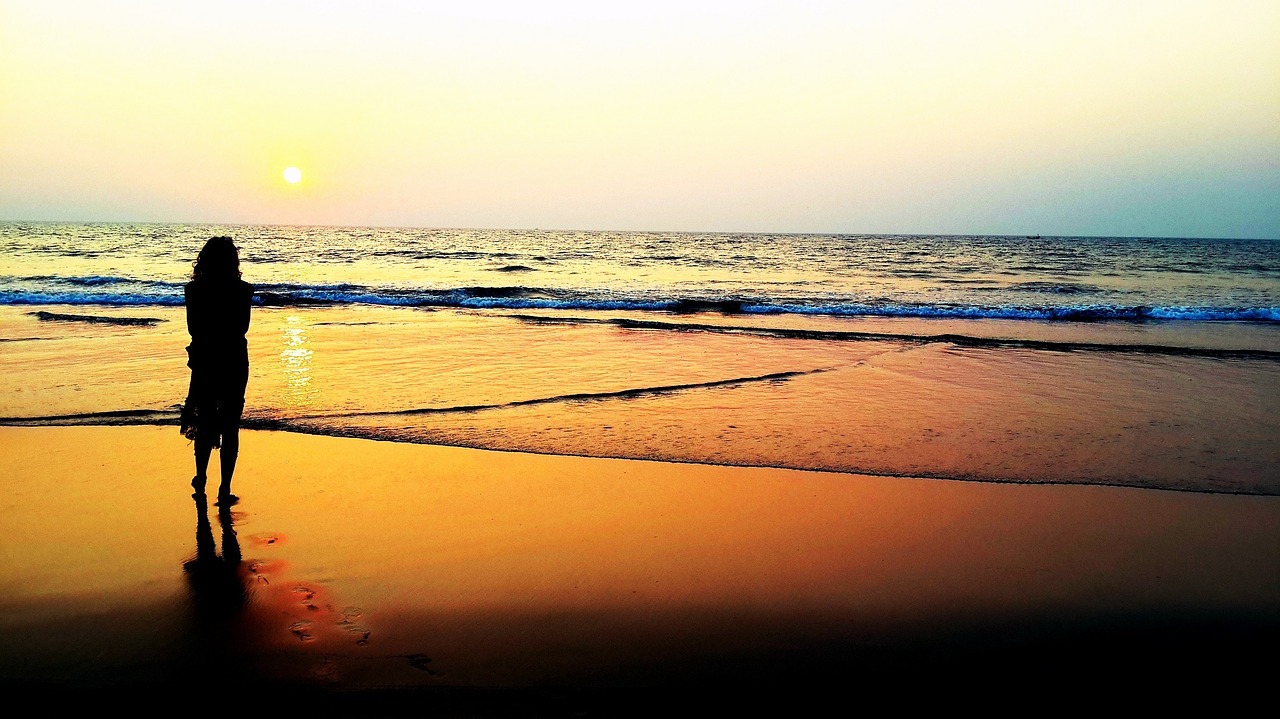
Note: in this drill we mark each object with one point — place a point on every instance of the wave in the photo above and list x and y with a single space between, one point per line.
629 393
950 338
87 280
1059 304
171 415
1060 288
1074 313
106 290
347 324
97 319
110 299
109 418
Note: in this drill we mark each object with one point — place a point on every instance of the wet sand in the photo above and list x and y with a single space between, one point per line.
1187 406
359 576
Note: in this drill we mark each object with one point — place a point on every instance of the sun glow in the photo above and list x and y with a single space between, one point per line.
1090 117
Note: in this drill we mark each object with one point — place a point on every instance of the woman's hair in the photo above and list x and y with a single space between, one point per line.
219 260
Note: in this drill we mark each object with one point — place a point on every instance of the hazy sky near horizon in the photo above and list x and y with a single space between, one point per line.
1085 118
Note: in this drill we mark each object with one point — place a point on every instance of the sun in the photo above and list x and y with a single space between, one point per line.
292 175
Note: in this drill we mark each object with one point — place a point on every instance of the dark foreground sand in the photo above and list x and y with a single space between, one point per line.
361 577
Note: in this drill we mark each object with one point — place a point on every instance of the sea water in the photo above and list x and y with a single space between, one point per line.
1054 278
1133 361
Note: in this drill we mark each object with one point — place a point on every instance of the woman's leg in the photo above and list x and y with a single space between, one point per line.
227 455
195 413
230 451
203 449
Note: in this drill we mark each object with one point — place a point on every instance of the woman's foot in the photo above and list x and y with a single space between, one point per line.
197 483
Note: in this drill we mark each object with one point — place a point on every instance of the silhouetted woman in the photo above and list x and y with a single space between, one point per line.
217 318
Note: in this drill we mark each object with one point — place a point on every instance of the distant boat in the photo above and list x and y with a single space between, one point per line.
1033 237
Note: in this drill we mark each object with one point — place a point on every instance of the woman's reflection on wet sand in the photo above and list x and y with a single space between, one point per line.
219 590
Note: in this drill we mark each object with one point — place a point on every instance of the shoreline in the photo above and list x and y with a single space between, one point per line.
924 476
267 426
505 574
882 404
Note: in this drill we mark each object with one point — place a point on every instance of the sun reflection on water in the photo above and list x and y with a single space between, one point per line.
295 361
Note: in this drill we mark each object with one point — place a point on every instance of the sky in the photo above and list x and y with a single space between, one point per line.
1133 118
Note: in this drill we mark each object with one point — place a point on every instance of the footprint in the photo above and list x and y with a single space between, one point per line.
362 638
266 539
420 662
258 569
306 595
326 670
301 630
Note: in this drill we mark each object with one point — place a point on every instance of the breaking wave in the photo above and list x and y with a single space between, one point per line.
121 291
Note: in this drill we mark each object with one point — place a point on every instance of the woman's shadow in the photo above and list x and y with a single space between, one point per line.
219 589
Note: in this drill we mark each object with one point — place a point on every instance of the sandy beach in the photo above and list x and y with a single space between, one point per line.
461 512
416 578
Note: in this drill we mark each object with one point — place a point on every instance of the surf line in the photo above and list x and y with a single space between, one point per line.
170 416
96 319
578 396
106 417
953 339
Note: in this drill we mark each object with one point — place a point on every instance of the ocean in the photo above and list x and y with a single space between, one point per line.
1143 362
1042 278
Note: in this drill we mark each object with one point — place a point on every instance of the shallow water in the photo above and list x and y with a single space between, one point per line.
1063 403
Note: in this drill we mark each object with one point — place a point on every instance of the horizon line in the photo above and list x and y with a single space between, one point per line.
671 232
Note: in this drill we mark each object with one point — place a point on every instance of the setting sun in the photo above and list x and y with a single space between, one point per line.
292 175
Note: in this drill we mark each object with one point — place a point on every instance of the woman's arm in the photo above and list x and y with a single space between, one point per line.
193 319
242 310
